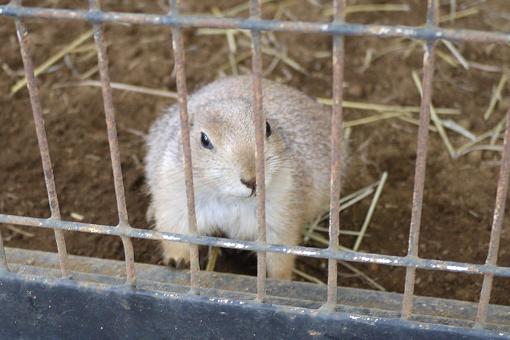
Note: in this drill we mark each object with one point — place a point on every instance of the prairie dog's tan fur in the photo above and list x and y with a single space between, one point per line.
297 156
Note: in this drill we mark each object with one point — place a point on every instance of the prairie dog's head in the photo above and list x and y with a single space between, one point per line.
222 138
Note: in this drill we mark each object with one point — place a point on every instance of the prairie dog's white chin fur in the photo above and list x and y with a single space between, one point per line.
222 140
234 216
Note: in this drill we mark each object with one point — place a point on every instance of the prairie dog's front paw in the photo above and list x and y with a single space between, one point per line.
280 266
175 254
150 214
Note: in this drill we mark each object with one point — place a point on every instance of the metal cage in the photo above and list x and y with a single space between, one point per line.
91 302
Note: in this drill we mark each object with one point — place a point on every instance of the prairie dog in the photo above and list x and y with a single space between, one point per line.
297 162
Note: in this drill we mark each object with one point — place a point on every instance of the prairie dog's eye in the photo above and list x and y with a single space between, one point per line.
268 130
206 142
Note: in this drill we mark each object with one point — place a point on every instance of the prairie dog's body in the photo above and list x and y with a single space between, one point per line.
222 136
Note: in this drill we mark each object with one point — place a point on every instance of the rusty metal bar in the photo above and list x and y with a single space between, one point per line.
3 258
423 33
111 127
259 122
497 226
179 58
336 155
42 140
352 256
421 162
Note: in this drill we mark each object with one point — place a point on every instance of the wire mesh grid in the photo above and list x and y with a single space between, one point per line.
338 28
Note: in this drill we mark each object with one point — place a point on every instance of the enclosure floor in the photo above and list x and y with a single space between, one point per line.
459 195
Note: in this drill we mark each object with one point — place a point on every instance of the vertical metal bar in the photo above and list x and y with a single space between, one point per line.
259 122
42 140
336 154
178 48
111 127
3 258
421 162
497 226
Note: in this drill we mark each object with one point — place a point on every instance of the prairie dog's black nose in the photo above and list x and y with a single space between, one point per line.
250 184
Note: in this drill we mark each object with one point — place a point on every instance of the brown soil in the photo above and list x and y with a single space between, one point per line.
459 196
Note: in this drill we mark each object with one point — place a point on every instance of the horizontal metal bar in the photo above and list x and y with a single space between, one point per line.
424 33
390 260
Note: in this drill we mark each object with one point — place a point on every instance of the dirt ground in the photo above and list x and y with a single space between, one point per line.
459 196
